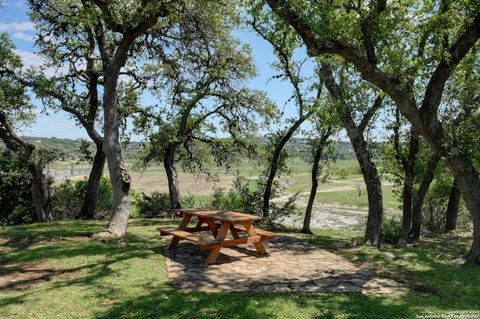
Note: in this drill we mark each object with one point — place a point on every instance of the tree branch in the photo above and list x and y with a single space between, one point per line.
370 113
436 85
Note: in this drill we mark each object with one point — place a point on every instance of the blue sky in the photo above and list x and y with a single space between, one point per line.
14 20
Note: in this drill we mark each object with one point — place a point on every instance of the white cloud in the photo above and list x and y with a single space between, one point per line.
32 60
24 36
17 26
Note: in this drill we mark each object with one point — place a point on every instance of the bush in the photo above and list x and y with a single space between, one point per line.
67 198
343 172
392 231
16 206
244 198
435 209
153 205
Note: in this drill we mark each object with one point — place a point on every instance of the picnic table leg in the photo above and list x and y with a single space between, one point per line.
222 233
213 227
183 226
234 232
251 232
199 223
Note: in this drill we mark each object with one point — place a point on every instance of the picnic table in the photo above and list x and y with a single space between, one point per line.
219 223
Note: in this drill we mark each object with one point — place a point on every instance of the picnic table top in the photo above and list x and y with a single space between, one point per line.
219 214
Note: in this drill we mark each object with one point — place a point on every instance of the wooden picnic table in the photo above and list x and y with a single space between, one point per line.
219 223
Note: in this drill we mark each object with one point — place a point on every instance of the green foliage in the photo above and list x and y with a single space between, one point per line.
67 198
16 205
435 208
245 198
242 197
392 231
152 205
343 172
158 204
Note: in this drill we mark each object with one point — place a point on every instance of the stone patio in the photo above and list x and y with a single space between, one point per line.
292 265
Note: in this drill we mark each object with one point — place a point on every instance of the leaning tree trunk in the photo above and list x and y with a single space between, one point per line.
121 181
172 177
420 197
313 191
373 231
452 208
40 194
91 194
267 193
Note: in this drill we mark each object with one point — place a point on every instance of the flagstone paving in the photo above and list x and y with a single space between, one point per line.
292 265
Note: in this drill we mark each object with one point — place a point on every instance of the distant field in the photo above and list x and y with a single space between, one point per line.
348 192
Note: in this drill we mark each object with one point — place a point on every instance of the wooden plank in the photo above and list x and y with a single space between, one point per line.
219 215
189 229
183 226
234 232
166 231
213 227
222 233
241 241
197 229
251 232
194 238
264 233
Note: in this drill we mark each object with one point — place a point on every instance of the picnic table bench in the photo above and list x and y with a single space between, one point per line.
219 223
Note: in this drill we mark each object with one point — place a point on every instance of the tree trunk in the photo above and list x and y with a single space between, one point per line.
41 194
409 167
373 232
407 201
91 194
469 184
452 209
267 193
172 177
121 181
420 197
313 190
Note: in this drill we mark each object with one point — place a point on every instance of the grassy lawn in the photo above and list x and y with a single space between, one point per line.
55 271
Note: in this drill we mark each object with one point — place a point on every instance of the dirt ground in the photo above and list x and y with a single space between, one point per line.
189 184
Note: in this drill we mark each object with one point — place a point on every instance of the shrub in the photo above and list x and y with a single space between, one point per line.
152 205
68 198
157 204
16 206
244 198
435 208
343 172
392 231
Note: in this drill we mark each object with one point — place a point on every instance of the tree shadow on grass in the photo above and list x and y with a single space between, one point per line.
53 229
164 303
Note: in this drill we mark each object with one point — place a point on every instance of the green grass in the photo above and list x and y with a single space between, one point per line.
89 279
351 197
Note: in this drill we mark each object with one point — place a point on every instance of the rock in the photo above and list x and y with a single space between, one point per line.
388 255
400 257
402 243
339 245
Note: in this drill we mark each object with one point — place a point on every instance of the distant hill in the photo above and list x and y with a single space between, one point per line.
296 147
